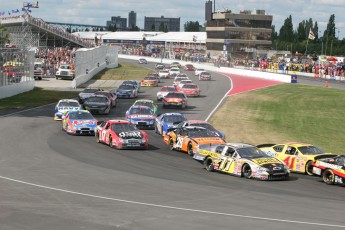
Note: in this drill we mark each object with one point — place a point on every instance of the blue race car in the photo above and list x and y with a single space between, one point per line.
79 122
168 121
63 106
141 116
127 91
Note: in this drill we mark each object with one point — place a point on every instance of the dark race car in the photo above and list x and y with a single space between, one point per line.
127 91
97 104
86 93
121 134
332 169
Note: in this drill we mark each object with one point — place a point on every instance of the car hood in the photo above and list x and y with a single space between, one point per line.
84 123
64 109
130 135
267 160
141 117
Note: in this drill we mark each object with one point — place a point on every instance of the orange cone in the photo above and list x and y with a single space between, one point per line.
326 85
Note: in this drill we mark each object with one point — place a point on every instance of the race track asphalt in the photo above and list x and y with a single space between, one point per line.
51 180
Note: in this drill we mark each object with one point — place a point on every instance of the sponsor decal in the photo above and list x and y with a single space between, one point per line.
130 134
262 161
328 165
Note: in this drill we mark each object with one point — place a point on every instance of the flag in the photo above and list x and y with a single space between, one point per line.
311 35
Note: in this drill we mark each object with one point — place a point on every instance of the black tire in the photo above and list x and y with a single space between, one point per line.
247 171
111 142
171 144
328 177
208 163
309 168
97 137
190 149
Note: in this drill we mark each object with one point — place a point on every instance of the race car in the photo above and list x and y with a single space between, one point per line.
111 96
167 122
142 61
136 84
88 92
141 116
149 81
174 71
164 74
190 89
332 169
121 134
297 156
188 139
201 123
97 104
198 71
205 76
65 105
176 63
159 66
164 91
148 103
178 79
242 160
127 91
189 67
79 122
175 99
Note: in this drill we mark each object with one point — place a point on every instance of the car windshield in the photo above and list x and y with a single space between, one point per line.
310 150
163 71
65 67
144 103
201 133
174 95
189 86
174 119
129 82
118 128
142 111
68 104
168 89
80 116
150 78
251 152
126 87
205 73
96 99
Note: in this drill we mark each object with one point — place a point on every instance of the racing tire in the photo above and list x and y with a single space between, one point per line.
328 177
247 171
171 144
309 168
190 149
208 163
111 142
97 137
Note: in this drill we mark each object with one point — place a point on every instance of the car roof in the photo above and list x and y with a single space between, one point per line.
173 114
238 145
139 107
296 144
144 100
118 121
68 100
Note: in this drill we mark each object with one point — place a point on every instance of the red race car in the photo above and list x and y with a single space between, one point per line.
189 67
175 99
190 89
121 134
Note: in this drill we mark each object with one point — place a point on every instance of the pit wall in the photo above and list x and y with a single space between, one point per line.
89 62
210 67
17 88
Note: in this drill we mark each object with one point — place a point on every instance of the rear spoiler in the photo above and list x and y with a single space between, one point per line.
265 145
323 156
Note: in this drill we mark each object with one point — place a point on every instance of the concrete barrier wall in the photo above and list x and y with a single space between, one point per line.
17 88
211 67
91 61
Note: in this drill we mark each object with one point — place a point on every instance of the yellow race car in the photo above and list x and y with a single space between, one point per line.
297 156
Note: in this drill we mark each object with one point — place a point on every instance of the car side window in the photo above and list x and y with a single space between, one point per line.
229 151
291 151
278 148
107 126
219 149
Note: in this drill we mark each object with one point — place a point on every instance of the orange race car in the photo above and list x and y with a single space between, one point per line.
189 138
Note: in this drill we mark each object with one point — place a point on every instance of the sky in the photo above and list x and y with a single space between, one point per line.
97 12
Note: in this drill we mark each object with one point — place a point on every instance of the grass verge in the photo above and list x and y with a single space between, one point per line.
124 71
35 98
285 113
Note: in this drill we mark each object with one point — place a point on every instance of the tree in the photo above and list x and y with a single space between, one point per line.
329 33
286 31
192 26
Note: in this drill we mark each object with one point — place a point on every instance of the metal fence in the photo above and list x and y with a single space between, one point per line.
16 66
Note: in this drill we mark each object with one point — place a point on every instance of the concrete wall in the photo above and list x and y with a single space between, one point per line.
17 88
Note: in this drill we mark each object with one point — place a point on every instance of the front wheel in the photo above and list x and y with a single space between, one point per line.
111 142
309 168
328 177
247 171
209 165
171 144
190 149
97 138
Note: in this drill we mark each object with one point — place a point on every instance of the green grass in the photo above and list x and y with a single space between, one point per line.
124 71
288 113
35 98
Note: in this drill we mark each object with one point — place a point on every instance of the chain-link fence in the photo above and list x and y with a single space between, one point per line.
16 66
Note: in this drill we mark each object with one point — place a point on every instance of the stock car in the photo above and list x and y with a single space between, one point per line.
190 89
174 71
175 99
332 169
198 71
159 66
141 116
127 91
201 123
176 63
242 160
97 104
111 96
136 84
189 67
142 61
188 139
121 134
164 91
149 81
296 155
87 93
178 79
166 122
65 105
79 122
205 76
163 74
148 103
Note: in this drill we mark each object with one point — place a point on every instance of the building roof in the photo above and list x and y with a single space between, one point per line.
200 37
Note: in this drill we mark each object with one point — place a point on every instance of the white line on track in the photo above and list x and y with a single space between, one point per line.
165 206
172 207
